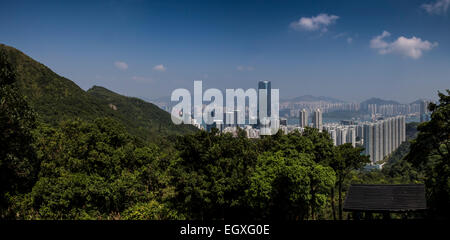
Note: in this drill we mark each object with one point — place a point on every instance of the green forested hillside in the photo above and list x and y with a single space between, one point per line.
137 115
56 98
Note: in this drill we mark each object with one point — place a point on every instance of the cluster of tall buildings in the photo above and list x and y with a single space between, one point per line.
290 108
317 121
253 130
391 109
341 134
379 138
394 109
383 137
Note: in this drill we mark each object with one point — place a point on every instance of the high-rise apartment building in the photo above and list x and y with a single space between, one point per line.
360 131
403 125
303 122
266 85
376 142
333 136
368 140
423 111
317 119
383 137
341 136
351 136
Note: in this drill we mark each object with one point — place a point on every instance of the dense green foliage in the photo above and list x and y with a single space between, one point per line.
218 176
430 151
90 170
18 162
211 174
94 167
56 98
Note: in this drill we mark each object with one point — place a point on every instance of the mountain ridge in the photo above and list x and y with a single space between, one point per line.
379 101
311 98
56 98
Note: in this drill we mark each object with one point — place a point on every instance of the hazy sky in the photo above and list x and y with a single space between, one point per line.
351 50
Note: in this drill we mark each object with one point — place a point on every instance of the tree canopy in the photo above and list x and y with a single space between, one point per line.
430 152
98 169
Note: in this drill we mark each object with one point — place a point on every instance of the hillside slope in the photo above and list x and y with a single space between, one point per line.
56 98
378 101
137 115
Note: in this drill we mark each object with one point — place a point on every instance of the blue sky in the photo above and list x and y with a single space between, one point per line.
322 48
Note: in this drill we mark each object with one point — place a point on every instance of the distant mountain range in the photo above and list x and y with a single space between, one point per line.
310 98
418 101
165 101
379 101
56 98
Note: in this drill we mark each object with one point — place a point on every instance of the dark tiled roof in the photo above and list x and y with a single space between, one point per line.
385 198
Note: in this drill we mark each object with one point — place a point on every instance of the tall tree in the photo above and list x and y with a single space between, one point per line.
346 159
322 144
289 188
430 152
211 174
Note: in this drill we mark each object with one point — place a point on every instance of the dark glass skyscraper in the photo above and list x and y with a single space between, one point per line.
265 85
423 111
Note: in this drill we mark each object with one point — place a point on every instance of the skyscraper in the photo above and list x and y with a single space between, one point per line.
333 136
397 121
395 132
236 114
317 119
351 136
376 142
303 118
385 138
368 140
403 124
423 111
389 136
267 86
360 132
341 136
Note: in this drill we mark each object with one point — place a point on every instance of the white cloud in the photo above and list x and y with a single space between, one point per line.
378 42
121 65
438 7
160 68
245 68
348 37
409 47
319 22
